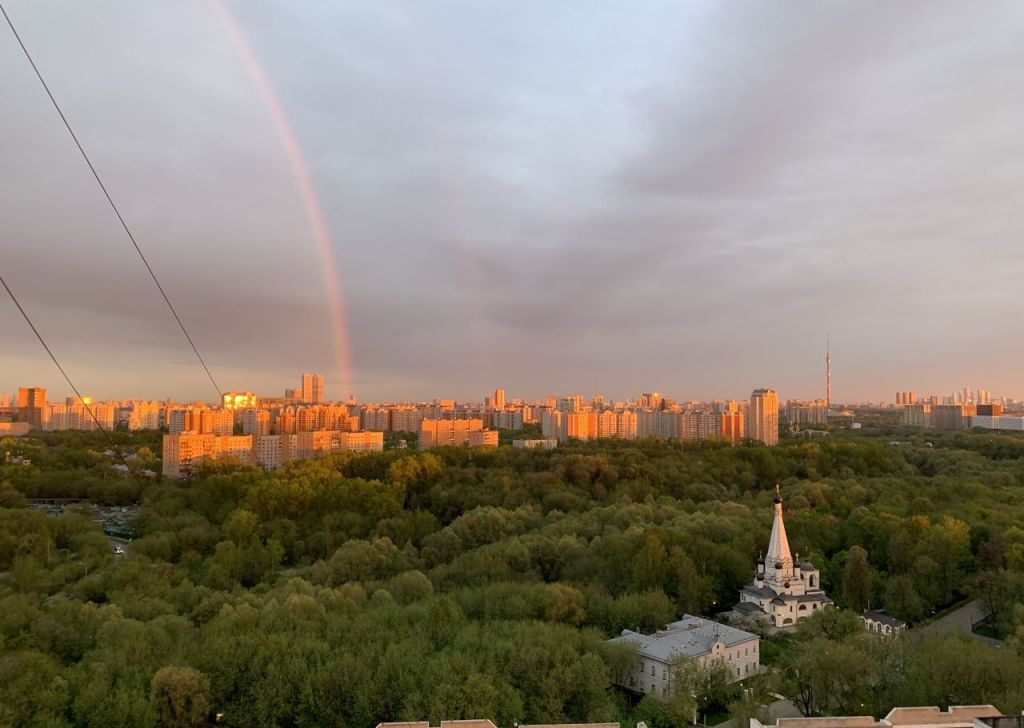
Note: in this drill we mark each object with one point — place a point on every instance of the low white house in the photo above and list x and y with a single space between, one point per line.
879 622
691 637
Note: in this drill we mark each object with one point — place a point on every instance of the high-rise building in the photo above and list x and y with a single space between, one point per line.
904 398
650 400
499 399
31 401
55 416
239 400
572 403
78 417
512 420
376 418
763 416
802 413
312 389
607 424
698 425
918 415
731 426
580 425
145 416
320 442
626 425
952 416
181 453
483 438
256 422
436 432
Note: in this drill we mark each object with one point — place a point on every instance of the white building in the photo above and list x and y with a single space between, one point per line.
548 443
878 622
695 638
784 590
1013 422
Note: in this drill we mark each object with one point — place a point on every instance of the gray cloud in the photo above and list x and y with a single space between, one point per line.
553 198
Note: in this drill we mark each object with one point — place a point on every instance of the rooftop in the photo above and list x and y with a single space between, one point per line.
882 618
485 723
958 716
689 637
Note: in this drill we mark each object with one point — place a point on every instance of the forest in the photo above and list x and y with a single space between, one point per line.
464 583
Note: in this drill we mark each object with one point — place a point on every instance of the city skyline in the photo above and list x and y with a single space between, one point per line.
240 398
571 210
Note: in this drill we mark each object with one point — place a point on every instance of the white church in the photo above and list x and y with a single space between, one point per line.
785 590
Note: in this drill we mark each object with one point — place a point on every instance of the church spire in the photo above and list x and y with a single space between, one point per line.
778 562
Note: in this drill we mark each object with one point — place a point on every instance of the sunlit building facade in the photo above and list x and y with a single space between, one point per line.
763 416
183 452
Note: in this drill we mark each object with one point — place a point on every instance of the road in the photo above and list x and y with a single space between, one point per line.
961 620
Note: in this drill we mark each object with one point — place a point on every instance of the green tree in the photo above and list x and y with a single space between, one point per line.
564 604
181 696
857 579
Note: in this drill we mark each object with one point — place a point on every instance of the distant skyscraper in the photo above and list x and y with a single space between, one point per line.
312 390
572 403
499 399
763 416
31 401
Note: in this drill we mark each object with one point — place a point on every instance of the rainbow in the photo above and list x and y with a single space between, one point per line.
307 191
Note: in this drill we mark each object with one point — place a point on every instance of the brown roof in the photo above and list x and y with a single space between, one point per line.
931 715
472 723
853 721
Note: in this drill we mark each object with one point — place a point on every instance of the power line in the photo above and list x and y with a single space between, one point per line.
110 199
71 384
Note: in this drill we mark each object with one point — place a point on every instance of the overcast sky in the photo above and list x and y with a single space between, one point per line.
552 197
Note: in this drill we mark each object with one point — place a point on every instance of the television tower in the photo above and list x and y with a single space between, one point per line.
828 375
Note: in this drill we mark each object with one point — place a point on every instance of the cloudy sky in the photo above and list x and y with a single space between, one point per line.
552 197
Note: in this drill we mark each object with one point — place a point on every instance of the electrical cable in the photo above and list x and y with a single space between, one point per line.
92 414
110 199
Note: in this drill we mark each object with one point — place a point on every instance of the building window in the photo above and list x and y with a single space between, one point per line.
652 675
